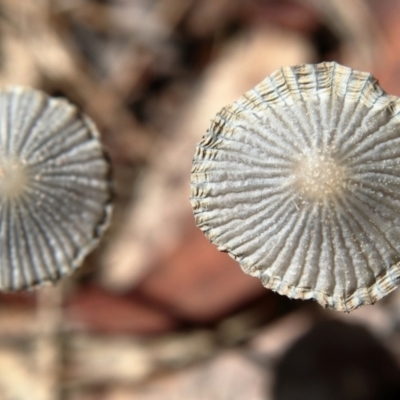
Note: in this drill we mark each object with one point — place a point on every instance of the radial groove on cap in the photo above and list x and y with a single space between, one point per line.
299 181
54 188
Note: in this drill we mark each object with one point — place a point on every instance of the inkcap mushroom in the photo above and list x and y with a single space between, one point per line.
54 188
299 181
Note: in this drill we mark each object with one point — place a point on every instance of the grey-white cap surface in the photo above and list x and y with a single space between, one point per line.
299 181
55 200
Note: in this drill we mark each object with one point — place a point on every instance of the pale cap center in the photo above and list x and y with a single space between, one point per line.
319 176
13 177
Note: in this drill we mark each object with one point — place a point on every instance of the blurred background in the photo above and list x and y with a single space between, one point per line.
156 312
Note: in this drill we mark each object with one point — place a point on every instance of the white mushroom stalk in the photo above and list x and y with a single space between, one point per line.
54 188
299 181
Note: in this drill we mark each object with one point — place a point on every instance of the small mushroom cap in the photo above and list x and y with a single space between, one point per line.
54 188
299 181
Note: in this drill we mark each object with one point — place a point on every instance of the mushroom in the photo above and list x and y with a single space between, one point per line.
54 188
299 181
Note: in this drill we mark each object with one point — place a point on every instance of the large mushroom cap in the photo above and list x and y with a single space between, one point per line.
54 188
299 181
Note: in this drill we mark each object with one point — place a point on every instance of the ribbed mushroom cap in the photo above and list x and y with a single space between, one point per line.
54 188
299 181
